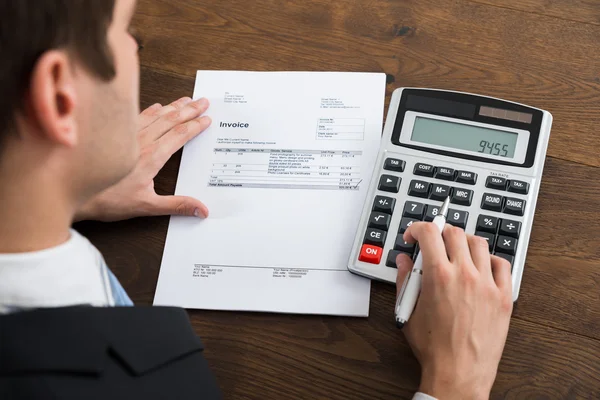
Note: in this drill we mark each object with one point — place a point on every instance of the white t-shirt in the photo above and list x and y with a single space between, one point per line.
72 273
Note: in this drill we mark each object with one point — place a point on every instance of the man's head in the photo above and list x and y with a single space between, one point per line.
69 83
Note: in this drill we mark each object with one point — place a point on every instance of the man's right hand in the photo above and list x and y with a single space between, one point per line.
459 326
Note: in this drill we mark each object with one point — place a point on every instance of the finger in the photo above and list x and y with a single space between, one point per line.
149 115
457 247
501 273
173 118
480 254
179 205
152 113
430 242
405 265
177 138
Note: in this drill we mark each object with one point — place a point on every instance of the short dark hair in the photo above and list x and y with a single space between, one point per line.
29 28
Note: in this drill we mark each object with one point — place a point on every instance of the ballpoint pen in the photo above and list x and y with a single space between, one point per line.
407 299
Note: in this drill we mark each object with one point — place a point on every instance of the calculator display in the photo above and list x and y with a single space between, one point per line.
465 137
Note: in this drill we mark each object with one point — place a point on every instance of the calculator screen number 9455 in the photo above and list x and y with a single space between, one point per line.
493 148
463 136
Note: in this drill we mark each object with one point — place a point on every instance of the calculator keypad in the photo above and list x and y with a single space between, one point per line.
502 234
431 212
379 220
486 223
470 178
391 258
370 254
514 206
376 237
505 244
507 257
389 183
461 196
510 228
446 174
418 188
423 170
405 222
439 192
518 187
393 164
403 246
492 202
490 237
413 209
495 182
384 204
457 218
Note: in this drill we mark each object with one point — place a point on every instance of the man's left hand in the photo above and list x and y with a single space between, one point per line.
162 131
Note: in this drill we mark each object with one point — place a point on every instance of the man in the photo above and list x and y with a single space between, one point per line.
73 147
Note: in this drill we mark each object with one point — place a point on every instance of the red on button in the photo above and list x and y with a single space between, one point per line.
370 254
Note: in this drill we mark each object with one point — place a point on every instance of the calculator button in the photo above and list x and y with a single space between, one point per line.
507 257
393 164
444 173
439 192
389 183
376 237
370 254
510 228
423 169
492 202
384 204
485 223
518 187
405 223
413 210
431 212
461 196
506 244
418 189
403 246
379 220
392 256
487 236
514 206
494 182
457 218
467 177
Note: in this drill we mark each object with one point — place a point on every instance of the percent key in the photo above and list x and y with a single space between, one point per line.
487 223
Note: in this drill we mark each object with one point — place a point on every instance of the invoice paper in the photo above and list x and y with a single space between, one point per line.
283 172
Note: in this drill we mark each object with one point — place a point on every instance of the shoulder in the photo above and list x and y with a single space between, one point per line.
87 352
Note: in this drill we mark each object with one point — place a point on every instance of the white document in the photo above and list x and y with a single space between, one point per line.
283 170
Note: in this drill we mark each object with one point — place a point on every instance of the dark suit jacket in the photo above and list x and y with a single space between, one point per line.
92 353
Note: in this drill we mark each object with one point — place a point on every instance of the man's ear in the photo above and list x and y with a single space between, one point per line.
51 98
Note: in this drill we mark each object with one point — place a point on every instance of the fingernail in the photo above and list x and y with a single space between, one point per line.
207 120
201 212
156 105
186 100
203 102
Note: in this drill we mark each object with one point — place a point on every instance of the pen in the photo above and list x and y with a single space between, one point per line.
405 304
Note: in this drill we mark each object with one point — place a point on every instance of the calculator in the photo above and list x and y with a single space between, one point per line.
485 153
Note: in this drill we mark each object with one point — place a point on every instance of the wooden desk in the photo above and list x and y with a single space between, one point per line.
532 51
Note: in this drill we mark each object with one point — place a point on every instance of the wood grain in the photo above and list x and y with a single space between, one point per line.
505 49
587 11
459 45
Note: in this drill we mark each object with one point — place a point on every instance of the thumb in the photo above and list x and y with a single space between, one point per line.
180 205
405 264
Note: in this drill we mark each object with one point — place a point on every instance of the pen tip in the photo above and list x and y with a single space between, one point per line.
444 209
